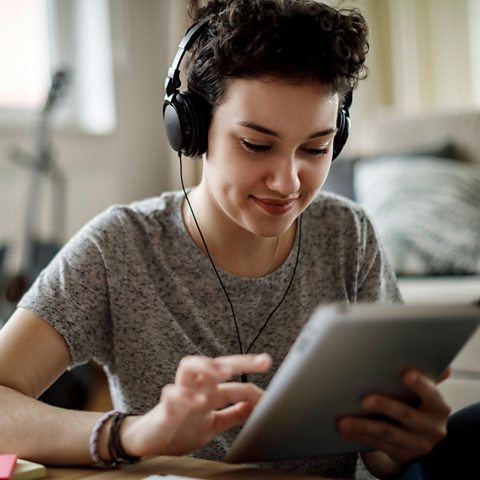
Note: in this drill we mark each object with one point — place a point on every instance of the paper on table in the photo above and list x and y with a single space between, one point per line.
169 477
26 470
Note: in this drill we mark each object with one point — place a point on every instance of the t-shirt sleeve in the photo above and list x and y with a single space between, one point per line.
376 278
73 292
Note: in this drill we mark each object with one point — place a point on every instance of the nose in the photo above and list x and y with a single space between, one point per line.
283 176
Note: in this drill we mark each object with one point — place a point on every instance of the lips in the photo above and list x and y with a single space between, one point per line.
274 206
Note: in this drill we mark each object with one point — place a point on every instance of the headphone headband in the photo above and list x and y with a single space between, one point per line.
172 82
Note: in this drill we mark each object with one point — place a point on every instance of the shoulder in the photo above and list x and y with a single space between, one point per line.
155 207
343 244
129 226
140 215
338 224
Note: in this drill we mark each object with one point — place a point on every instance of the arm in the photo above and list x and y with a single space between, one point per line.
189 413
32 356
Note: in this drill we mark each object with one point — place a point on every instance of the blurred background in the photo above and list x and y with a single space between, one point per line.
81 94
106 133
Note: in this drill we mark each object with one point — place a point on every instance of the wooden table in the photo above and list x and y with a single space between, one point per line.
184 466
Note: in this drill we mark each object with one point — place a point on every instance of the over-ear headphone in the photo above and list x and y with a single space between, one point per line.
187 114
343 125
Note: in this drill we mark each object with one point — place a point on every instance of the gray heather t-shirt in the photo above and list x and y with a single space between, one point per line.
133 291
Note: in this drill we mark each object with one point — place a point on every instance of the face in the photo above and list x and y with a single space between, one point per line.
270 147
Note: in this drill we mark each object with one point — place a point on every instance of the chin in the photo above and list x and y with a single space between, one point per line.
270 229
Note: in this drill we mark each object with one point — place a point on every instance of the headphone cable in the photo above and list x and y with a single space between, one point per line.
208 254
244 377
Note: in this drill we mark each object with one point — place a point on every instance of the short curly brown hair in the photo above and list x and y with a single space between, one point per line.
292 39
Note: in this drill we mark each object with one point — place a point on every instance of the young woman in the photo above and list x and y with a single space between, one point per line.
173 297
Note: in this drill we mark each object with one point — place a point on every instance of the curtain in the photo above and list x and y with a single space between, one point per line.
426 58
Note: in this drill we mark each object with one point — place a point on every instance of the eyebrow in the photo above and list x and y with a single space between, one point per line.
261 129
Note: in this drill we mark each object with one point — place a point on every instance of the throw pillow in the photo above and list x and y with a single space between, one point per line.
426 211
340 179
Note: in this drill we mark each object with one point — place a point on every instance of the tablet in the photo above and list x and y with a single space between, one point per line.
342 354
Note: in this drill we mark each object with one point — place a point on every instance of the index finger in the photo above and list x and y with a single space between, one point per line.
203 370
247 363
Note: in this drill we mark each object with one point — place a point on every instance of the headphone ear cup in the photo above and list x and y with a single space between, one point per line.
343 125
199 112
173 117
187 118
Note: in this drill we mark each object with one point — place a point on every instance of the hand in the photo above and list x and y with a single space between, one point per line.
197 407
414 432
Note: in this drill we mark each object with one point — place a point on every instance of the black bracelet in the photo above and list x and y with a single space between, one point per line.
118 454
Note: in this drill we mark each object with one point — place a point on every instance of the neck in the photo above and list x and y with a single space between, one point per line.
231 247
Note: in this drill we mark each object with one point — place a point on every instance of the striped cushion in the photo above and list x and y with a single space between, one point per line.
426 211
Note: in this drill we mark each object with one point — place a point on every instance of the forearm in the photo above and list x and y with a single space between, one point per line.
36 431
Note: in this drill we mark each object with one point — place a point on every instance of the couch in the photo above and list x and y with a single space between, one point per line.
419 179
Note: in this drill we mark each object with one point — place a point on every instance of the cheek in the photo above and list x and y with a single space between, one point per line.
315 174
325 170
242 181
232 169
230 175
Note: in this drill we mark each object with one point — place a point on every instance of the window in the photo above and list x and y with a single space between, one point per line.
25 55
38 38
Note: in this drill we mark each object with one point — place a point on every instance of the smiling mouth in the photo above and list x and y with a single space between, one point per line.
274 206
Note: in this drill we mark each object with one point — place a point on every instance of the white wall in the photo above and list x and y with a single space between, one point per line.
131 163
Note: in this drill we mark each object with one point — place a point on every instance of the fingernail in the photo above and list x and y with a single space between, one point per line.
262 358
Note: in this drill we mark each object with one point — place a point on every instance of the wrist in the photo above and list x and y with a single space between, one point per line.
129 438
99 439
102 448
120 457
106 445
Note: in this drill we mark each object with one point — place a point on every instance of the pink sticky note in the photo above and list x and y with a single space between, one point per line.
7 465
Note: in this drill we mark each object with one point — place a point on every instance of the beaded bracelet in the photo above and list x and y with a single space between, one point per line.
94 436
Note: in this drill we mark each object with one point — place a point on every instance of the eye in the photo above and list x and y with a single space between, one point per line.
316 152
254 147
